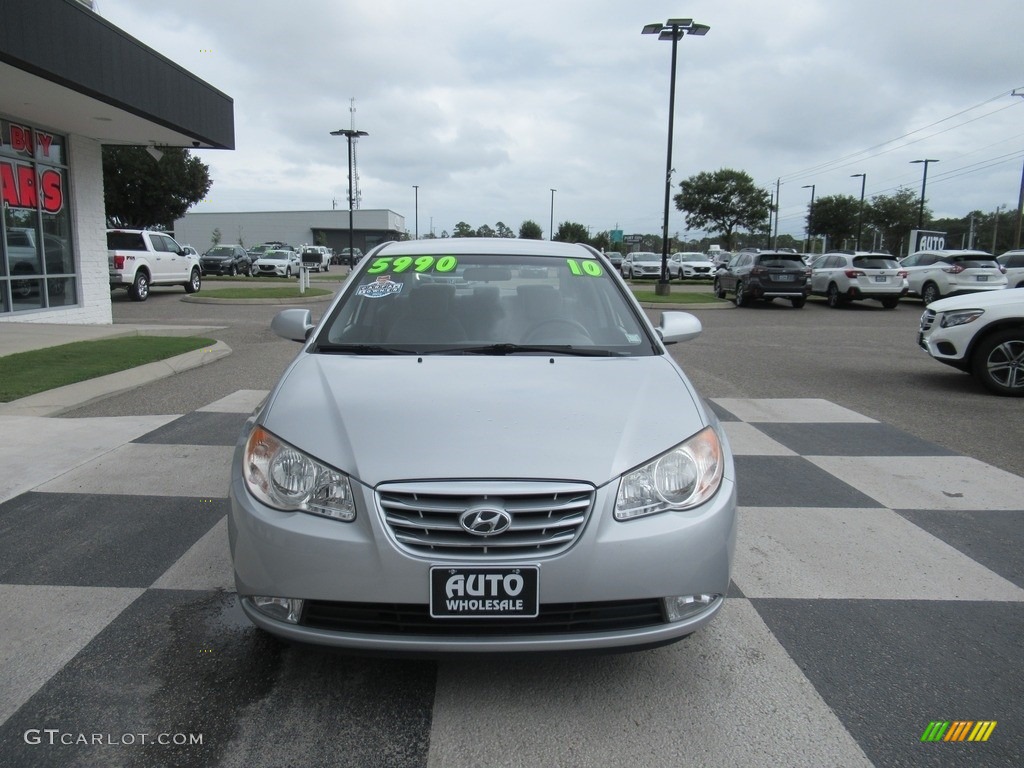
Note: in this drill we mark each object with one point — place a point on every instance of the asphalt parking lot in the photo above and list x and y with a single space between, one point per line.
877 587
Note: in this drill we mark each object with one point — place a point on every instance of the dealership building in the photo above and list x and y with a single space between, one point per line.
71 82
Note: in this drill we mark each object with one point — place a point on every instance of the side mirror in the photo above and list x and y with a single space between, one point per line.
293 324
678 326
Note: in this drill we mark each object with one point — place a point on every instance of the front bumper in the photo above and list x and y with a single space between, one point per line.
340 567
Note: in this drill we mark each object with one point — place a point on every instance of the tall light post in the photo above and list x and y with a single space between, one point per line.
810 216
673 30
350 133
924 180
417 188
551 221
860 213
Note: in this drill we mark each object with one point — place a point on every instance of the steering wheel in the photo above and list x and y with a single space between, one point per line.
538 333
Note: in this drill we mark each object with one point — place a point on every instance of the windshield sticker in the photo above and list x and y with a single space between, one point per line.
379 288
591 268
400 264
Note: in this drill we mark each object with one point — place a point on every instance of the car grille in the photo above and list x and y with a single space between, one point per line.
927 319
558 618
546 518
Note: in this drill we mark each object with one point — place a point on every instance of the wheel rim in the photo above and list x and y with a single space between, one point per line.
739 294
195 280
1005 364
833 296
931 293
142 285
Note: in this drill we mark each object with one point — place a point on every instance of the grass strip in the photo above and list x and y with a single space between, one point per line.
282 292
28 373
679 297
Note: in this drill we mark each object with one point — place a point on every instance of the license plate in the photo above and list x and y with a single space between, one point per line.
881 279
784 278
981 278
484 592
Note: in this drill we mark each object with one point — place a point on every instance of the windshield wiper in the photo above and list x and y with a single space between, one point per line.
506 348
360 349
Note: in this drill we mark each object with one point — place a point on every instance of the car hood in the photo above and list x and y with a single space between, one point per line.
997 298
464 417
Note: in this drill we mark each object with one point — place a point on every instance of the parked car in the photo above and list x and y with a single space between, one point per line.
980 333
845 276
278 263
765 275
932 275
1013 264
345 257
690 265
394 494
615 259
226 260
641 264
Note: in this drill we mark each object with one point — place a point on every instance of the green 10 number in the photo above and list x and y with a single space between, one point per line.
591 268
418 264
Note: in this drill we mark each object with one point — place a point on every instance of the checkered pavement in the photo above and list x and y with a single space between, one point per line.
878 587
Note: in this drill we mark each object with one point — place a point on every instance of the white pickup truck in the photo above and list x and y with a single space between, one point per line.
139 258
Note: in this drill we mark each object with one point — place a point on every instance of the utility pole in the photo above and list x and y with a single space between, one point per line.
778 182
1020 199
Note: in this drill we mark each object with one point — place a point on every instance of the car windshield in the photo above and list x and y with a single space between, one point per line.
875 262
219 251
785 260
277 255
485 304
974 261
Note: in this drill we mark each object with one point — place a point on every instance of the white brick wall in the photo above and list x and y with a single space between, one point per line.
89 234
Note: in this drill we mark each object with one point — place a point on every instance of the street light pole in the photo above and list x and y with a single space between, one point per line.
350 133
924 180
860 214
551 221
416 187
673 29
810 216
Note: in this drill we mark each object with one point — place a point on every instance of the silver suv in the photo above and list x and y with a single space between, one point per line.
1013 263
935 274
844 276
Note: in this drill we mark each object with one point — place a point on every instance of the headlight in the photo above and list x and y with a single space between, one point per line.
949 319
682 478
283 477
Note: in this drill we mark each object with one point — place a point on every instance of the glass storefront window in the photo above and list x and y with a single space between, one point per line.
37 262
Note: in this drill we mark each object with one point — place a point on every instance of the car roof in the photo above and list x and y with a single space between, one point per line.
486 245
955 252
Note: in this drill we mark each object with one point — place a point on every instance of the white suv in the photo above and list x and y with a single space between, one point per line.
982 334
934 274
1013 263
844 276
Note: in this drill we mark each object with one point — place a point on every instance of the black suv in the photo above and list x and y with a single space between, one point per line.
226 260
763 275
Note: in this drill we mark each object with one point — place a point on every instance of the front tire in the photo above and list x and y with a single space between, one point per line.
140 286
739 299
719 291
195 282
998 362
832 296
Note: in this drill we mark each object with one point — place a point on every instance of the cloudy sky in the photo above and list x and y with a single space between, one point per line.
486 106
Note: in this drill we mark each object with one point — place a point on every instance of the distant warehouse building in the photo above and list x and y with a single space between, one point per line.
330 228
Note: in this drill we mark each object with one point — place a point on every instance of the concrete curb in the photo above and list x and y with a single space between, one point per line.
56 401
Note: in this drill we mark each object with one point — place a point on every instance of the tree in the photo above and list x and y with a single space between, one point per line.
501 230
485 231
835 217
571 232
530 230
462 229
140 192
724 201
895 216
215 236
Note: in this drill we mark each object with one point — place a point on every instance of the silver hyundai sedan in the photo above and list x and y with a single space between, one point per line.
450 465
